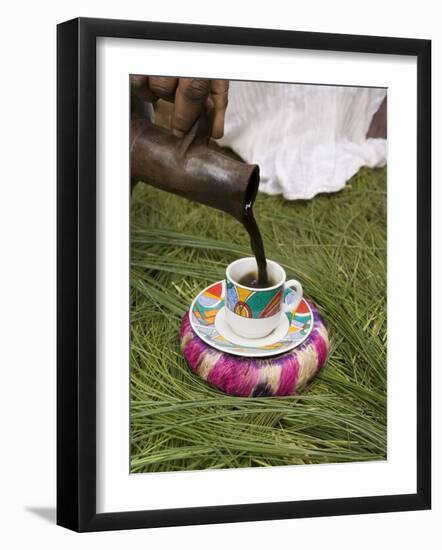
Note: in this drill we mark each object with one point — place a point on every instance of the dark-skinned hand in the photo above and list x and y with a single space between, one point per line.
190 97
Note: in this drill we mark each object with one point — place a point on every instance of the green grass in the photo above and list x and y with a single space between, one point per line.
336 246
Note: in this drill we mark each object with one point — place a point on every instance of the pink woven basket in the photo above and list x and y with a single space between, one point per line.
285 374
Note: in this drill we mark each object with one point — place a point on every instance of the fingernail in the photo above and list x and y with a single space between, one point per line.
177 133
209 103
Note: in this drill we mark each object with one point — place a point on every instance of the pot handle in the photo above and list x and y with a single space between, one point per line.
200 132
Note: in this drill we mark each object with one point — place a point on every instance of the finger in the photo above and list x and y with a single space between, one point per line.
163 86
139 86
163 113
190 99
219 90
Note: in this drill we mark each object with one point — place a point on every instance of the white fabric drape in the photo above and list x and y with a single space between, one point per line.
307 139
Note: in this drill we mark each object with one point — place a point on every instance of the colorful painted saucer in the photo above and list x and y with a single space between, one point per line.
207 317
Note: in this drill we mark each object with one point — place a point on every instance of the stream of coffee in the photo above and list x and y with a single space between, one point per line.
260 280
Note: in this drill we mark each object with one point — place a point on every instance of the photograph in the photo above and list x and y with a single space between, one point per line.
218 275
258 274
243 280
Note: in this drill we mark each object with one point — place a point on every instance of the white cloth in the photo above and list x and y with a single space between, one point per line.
306 139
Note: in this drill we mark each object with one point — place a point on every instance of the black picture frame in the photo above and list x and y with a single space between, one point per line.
76 273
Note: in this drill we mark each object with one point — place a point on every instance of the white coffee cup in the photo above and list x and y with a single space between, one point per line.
256 312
